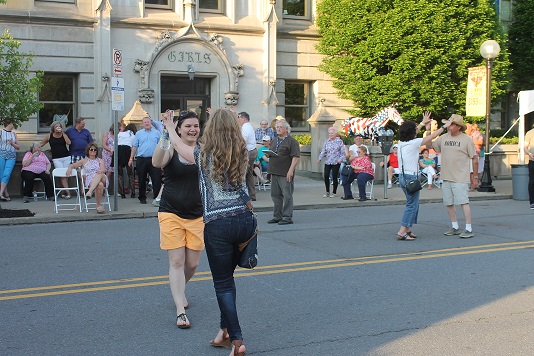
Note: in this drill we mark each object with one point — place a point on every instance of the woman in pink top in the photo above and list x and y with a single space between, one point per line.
35 164
362 173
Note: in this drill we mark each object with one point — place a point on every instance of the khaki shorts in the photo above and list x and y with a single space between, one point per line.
455 193
176 232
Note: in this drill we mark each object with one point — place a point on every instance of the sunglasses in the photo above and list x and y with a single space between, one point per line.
93 149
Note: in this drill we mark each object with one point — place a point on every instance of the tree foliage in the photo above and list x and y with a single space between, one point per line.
18 90
521 37
415 53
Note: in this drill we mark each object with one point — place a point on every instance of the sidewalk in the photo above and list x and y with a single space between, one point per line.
309 190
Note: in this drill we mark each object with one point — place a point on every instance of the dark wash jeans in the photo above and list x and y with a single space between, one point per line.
222 237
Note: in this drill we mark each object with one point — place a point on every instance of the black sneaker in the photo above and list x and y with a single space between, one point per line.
531 206
347 198
285 222
142 200
363 199
273 221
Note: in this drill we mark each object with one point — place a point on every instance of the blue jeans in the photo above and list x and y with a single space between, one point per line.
222 237
361 178
409 218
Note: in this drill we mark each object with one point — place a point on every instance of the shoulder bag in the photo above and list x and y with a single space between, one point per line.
412 185
249 249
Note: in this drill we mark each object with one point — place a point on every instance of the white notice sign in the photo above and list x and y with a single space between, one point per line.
117 94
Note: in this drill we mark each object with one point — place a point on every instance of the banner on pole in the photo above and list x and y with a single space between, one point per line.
475 103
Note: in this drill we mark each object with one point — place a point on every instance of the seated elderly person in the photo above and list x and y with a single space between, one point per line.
362 172
35 164
262 159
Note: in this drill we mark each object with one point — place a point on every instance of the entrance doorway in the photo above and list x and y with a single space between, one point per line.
180 93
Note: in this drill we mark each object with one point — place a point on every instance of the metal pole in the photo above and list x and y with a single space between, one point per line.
385 177
486 182
115 162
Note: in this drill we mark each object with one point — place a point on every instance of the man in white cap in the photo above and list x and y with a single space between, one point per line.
457 150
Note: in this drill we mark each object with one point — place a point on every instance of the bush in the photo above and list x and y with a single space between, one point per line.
303 139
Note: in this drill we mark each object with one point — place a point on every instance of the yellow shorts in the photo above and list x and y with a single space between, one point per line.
176 232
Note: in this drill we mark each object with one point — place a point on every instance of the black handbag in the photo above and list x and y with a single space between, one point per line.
346 170
249 249
412 185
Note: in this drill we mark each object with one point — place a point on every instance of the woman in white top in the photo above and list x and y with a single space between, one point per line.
408 152
125 139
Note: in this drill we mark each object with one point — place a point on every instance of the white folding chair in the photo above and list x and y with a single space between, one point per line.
370 184
88 204
264 176
36 193
59 173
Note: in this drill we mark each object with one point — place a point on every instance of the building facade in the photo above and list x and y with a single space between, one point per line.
258 55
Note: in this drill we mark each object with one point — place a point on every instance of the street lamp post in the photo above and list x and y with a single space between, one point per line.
489 50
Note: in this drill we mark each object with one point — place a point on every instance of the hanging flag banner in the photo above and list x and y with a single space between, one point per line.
475 103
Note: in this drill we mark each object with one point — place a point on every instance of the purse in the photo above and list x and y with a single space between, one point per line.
346 170
412 185
249 249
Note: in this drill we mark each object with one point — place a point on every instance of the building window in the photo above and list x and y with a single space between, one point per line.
210 6
297 8
158 4
64 1
58 96
297 104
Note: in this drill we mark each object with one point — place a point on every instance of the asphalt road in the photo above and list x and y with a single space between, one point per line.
335 282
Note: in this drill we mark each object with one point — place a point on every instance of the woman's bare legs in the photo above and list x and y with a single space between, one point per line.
99 178
183 264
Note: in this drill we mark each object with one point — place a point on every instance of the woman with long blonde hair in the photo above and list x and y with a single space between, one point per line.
222 159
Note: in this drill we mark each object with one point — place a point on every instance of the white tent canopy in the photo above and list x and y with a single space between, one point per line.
526 105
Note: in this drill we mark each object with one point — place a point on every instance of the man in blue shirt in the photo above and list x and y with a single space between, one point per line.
264 130
144 144
79 138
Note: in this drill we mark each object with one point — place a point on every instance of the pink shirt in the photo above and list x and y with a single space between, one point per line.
365 163
38 164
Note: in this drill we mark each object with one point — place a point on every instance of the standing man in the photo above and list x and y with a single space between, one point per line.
457 151
282 170
144 144
264 130
250 139
529 149
79 138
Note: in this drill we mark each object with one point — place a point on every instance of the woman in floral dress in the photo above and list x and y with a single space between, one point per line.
95 178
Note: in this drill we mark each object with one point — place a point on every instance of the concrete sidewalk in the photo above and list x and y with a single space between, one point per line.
309 190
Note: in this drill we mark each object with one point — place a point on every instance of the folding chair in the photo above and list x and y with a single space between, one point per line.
88 204
59 173
264 176
36 193
435 181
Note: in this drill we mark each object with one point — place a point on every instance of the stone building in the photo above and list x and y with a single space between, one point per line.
258 55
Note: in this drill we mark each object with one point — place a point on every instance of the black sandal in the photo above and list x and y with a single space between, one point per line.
412 234
406 237
183 318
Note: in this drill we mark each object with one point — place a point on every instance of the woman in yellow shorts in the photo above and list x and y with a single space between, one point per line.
180 213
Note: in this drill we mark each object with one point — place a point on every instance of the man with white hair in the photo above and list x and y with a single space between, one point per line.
264 130
282 167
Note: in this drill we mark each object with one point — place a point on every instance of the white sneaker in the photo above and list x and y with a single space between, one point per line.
332 195
390 186
326 195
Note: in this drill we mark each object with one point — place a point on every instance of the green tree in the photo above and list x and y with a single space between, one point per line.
521 36
18 89
415 53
